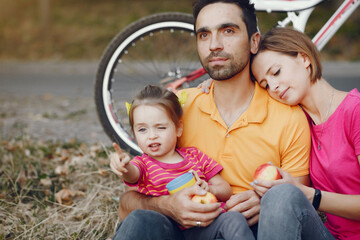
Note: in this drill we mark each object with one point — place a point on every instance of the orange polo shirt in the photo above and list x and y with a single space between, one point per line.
267 131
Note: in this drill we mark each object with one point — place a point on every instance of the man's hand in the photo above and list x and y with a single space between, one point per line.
248 203
187 213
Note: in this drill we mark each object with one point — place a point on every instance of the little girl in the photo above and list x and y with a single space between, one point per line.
155 118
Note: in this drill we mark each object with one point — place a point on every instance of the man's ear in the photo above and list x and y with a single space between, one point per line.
179 128
254 42
304 59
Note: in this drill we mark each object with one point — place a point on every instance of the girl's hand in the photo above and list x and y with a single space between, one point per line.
262 186
201 183
205 85
119 160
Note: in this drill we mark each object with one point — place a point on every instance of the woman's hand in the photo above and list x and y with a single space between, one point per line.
262 186
205 85
119 161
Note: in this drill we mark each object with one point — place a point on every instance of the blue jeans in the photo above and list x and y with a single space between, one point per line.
146 224
286 214
229 225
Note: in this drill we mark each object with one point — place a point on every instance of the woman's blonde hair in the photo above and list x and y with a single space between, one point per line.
292 42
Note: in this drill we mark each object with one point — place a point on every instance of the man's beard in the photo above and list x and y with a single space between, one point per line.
221 73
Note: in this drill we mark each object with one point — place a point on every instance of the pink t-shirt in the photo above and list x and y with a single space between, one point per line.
335 167
154 175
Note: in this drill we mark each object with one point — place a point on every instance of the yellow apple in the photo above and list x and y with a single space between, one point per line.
204 199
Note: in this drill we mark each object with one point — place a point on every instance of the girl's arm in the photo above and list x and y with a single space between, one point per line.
220 188
120 165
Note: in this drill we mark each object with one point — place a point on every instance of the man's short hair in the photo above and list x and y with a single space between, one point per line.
247 8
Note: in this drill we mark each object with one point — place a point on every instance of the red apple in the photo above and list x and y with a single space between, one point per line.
204 199
267 172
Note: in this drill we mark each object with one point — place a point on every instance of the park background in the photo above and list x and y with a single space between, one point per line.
54 185
81 29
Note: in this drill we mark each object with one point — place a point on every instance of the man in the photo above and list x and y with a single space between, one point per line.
237 124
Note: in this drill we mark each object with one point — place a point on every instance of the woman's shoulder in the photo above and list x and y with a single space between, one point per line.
354 95
351 101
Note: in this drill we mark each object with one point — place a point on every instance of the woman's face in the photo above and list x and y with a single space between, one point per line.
286 78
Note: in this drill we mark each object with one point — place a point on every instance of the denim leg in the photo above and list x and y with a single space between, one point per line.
147 224
229 225
286 214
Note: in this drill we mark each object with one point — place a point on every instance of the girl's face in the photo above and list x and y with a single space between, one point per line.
155 131
286 78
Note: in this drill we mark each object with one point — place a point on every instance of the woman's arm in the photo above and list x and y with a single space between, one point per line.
342 205
220 188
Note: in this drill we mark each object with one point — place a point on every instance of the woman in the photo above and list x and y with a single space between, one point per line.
287 65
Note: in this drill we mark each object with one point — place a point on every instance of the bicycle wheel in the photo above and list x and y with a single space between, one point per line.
154 50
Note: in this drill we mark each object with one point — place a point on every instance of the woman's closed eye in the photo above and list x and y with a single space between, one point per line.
277 72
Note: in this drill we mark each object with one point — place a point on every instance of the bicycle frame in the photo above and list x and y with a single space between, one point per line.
298 13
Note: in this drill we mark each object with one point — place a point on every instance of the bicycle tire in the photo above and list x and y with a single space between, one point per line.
151 50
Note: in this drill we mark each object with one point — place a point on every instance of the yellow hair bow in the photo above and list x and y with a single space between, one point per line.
128 106
182 98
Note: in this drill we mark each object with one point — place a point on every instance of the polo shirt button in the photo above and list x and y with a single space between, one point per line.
227 135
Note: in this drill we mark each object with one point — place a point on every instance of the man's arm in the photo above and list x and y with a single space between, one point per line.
177 206
295 146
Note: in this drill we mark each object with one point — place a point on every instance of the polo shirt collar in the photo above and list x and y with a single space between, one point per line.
256 112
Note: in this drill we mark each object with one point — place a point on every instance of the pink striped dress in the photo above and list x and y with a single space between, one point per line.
154 175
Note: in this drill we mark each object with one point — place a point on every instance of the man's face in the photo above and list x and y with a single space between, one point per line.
222 40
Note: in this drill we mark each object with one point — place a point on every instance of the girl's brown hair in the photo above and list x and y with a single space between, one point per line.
154 95
291 42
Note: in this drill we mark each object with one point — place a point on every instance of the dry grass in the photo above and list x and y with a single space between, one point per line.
32 172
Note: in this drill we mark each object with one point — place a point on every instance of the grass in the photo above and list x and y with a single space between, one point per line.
33 172
73 30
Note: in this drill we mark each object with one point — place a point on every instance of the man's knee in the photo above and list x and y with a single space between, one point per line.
282 195
233 218
142 217
146 224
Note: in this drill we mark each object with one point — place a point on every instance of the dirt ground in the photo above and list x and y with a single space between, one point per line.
49 101
54 100
49 117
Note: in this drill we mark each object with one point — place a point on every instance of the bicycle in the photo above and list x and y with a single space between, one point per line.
160 49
